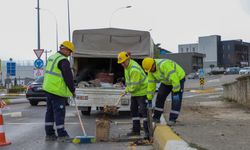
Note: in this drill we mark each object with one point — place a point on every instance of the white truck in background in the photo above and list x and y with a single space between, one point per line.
95 57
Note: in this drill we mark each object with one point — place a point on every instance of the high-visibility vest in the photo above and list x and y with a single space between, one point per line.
53 79
167 72
136 79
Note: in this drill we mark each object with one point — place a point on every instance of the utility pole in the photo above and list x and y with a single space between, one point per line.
46 58
68 20
38 25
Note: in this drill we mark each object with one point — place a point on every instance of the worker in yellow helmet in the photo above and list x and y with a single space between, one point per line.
59 86
172 78
136 85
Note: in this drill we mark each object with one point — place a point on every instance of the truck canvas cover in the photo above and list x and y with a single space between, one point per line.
108 42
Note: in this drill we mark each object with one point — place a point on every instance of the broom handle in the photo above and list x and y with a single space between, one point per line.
119 99
79 117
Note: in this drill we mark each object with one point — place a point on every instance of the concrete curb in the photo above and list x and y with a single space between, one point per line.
209 90
166 139
15 101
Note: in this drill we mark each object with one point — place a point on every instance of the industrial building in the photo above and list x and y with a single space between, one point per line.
219 53
192 62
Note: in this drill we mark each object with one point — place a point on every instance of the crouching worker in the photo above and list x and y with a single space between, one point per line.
172 78
136 85
59 86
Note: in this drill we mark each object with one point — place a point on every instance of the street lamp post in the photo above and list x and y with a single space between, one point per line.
115 12
68 20
50 12
46 57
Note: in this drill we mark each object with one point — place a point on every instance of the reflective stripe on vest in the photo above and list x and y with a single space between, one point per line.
139 82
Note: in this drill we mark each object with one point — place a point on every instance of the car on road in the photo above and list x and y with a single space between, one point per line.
232 70
245 70
35 93
193 75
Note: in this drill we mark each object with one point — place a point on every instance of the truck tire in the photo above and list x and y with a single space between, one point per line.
86 112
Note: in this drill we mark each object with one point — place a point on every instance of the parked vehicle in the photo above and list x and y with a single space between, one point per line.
34 92
97 74
232 70
245 70
193 75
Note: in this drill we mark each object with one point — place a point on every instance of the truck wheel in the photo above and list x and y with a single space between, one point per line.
33 103
86 112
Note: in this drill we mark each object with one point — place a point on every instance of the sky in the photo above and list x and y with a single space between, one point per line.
170 22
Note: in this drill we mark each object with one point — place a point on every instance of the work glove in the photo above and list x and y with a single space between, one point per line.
176 97
149 105
123 93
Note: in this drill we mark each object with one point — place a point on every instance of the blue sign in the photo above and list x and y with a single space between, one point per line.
38 63
11 68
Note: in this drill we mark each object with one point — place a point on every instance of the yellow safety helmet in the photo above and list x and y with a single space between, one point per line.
122 56
147 63
69 45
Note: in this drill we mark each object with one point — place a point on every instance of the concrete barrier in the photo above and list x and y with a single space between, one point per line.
238 90
166 139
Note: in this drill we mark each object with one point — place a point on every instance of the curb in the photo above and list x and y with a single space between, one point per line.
166 139
210 90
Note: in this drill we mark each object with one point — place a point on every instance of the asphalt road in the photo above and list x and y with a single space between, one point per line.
24 127
24 124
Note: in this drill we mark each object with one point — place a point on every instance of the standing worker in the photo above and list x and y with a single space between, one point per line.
172 78
136 85
59 86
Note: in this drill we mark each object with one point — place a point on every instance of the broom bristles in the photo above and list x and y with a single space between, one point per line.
84 139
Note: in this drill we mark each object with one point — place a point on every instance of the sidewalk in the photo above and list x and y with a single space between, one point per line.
214 124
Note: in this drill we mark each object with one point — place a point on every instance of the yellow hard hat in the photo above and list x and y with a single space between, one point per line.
69 45
147 63
122 56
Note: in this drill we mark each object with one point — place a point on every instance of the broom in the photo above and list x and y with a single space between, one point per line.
84 138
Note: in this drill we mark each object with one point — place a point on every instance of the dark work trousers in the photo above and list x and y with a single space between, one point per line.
138 109
163 92
55 114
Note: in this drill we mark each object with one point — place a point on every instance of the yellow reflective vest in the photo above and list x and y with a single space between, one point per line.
53 80
167 72
136 79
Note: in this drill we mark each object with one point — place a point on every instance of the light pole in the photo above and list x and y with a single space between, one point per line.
46 57
38 25
68 20
50 12
115 12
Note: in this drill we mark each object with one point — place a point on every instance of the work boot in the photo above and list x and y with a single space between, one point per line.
65 139
132 133
50 137
171 123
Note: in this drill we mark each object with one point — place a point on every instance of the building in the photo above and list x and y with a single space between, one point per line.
233 53
219 53
192 62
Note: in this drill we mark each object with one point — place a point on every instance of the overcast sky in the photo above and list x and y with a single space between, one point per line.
172 22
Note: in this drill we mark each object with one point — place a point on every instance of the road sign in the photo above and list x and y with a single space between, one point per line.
11 68
38 52
202 81
38 72
38 63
